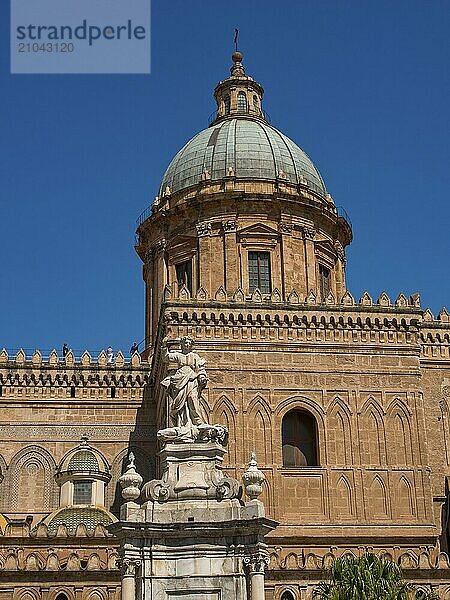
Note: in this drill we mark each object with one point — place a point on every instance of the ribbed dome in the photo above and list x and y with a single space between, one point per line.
250 147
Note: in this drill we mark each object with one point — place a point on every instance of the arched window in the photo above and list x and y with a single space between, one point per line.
226 104
299 435
255 102
287 596
61 597
242 102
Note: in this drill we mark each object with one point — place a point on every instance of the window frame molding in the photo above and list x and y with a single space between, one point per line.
325 256
293 595
191 282
269 261
320 266
259 238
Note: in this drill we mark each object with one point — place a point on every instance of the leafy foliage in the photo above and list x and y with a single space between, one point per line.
366 578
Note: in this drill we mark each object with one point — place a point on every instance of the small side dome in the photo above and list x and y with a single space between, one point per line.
82 476
83 460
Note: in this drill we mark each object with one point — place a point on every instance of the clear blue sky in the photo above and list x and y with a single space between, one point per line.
363 86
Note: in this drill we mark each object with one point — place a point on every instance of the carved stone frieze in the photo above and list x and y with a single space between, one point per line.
98 432
63 559
312 560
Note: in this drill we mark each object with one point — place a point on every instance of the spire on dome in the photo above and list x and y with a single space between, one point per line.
239 95
237 70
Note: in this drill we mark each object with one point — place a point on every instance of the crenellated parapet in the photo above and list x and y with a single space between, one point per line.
435 335
293 297
235 318
72 377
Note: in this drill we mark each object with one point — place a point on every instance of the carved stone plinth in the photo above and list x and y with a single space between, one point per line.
191 472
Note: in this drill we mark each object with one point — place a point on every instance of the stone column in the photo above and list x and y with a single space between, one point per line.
256 564
288 263
129 568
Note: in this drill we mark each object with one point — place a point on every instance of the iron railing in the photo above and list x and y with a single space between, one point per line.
144 216
262 114
343 213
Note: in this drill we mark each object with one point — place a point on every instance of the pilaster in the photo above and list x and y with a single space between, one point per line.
310 259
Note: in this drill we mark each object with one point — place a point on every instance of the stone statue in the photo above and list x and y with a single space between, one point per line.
184 391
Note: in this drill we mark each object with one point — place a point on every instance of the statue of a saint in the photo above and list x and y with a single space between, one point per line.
184 389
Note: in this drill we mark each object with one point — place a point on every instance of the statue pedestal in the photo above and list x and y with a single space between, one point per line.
191 471
191 536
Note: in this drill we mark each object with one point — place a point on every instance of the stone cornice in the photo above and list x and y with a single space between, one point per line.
305 316
289 199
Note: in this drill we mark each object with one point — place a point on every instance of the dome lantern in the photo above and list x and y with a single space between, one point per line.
240 94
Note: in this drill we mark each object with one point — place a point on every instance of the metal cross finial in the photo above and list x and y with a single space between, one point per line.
236 34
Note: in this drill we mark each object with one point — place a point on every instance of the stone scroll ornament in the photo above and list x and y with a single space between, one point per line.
184 388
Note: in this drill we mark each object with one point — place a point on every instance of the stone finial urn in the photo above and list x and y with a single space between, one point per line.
253 478
130 481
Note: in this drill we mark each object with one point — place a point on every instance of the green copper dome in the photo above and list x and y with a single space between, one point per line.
246 148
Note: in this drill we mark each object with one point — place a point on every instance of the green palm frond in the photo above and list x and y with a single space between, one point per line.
365 578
